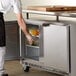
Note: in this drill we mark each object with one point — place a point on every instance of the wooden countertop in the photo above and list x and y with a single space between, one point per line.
52 8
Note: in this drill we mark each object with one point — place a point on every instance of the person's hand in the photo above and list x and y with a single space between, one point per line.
29 38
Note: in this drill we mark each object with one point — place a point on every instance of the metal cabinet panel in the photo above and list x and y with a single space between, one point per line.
73 49
56 47
12 40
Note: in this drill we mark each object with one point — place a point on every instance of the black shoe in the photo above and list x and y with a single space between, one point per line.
4 74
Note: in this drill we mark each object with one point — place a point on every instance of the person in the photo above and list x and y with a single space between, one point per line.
5 6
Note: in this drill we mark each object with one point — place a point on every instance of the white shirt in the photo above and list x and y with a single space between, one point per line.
6 5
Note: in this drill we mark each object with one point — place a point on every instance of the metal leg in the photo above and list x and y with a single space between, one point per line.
57 18
27 15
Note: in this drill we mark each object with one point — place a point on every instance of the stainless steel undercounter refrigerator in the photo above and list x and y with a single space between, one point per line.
54 47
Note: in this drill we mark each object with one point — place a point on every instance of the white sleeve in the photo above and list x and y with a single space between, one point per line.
16 6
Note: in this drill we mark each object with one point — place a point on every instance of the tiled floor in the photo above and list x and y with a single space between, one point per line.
15 69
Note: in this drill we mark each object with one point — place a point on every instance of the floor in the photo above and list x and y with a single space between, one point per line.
14 68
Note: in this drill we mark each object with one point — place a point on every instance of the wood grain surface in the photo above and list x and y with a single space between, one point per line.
52 8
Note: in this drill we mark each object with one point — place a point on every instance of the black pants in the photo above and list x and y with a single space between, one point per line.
2 31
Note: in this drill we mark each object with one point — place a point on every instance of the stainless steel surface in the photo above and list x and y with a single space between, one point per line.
53 44
73 49
56 46
12 40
